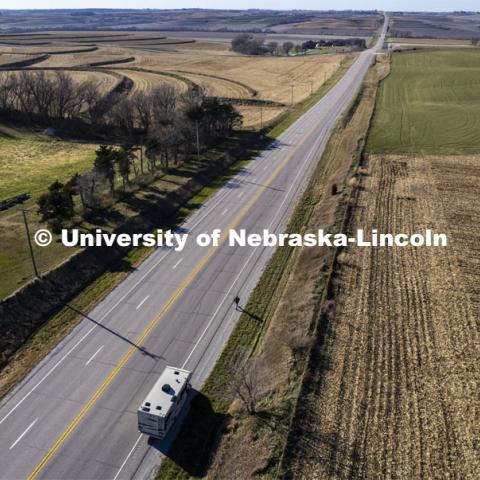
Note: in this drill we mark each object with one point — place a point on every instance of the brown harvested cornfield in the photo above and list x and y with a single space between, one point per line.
146 82
85 58
7 58
237 75
392 390
181 63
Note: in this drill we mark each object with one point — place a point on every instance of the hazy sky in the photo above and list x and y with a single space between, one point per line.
433 5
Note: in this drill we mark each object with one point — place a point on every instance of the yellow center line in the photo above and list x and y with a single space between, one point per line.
138 342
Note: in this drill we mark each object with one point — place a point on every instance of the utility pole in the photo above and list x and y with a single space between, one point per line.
291 99
261 116
198 141
30 243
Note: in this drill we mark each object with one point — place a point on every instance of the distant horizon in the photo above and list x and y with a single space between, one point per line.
278 5
239 9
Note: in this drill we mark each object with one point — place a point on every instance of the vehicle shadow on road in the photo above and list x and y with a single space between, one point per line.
113 332
192 440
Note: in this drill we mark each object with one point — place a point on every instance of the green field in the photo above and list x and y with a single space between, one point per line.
29 162
430 103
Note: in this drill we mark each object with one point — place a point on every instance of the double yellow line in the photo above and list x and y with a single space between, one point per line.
138 342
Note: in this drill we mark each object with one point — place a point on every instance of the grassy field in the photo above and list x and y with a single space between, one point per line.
30 162
15 263
430 103
440 42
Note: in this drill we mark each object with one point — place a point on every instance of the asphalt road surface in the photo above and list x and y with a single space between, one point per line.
74 416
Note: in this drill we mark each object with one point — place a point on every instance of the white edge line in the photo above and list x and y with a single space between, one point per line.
218 308
24 433
177 264
122 466
94 355
141 303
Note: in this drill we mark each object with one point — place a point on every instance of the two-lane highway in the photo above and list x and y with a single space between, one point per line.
74 416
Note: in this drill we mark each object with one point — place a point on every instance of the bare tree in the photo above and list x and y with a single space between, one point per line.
272 47
247 387
287 46
143 107
164 104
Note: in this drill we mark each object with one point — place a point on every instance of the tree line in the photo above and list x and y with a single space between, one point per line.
154 132
53 98
248 44
359 43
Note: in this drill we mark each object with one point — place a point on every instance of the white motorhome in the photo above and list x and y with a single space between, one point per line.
164 402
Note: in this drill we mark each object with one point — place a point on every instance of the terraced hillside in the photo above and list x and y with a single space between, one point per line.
150 59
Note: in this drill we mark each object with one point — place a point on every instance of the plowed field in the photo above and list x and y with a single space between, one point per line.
393 391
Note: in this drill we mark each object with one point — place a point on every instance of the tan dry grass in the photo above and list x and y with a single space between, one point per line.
270 77
216 48
251 115
217 87
273 77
